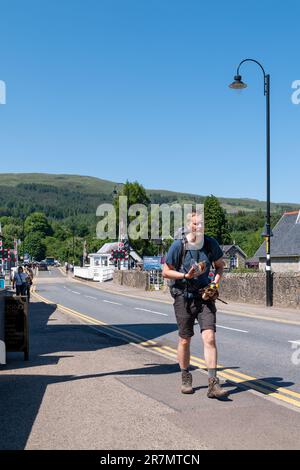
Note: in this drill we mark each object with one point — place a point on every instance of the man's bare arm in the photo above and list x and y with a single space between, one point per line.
219 267
169 272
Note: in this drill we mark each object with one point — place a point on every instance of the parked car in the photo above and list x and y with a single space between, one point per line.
43 266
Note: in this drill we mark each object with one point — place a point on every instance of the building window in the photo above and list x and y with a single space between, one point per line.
233 262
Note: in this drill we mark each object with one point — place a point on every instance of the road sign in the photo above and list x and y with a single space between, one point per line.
152 262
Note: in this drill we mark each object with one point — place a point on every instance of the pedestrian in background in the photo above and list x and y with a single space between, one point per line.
29 279
20 281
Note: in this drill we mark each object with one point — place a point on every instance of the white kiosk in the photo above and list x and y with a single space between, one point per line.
100 267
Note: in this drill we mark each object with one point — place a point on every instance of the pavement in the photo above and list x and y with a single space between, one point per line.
91 386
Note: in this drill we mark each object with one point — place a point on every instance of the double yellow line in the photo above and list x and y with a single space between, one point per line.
246 381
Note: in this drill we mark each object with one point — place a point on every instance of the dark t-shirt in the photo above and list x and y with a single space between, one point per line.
174 256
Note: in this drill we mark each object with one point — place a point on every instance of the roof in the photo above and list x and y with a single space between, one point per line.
92 255
253 260
135 256
226 248
286 237
108 247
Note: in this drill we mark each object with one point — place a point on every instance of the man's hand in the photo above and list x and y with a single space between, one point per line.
210 292
195 273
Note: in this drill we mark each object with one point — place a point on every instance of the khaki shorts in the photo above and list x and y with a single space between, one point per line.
188 310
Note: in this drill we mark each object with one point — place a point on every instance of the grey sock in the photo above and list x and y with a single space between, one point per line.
212 373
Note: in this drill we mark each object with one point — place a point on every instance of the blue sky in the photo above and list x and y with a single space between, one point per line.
138 90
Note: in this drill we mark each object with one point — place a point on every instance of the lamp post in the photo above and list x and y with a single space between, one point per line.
23 218
238 84
73 244
72 230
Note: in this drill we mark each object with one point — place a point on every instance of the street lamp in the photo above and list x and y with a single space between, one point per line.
238 84
23 218
72 230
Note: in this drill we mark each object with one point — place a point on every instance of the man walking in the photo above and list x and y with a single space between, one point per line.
187 266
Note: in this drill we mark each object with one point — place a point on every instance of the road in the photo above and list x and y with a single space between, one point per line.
259 349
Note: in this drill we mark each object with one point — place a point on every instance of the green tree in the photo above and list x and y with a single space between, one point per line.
248 241
94 244
60 231
81 230
11 232
35 246
71 249
38 222
53 246
216 224
136 194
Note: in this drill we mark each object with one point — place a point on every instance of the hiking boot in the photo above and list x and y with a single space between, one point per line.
214 389
187 380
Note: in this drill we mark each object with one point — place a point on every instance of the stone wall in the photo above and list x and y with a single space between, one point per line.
138 279
283 265
235 287
251 288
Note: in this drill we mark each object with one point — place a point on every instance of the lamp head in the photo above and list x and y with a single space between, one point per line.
237 84
267 232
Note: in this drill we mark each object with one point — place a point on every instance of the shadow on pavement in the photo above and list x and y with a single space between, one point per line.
21 395
59 338
275 382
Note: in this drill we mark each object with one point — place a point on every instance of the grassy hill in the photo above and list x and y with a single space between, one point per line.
62 196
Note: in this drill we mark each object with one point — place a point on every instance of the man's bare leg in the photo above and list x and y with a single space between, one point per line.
210 356
183 352
183 355
210 348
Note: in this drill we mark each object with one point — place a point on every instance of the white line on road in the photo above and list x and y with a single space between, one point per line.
74 292
90 297
295 342
151 311
234 329
110 302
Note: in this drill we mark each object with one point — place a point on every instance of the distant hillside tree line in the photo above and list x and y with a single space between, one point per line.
55 221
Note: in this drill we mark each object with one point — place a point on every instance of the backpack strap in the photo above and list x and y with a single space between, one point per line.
207 248
183 250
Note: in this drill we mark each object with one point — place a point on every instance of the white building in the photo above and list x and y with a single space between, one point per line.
101 265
